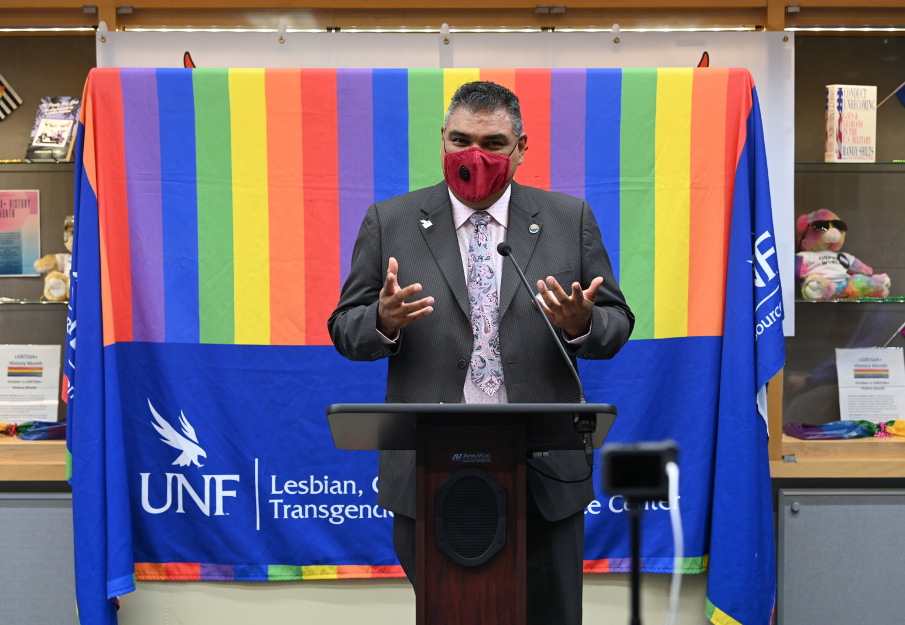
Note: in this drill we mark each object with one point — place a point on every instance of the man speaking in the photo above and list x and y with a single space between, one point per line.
428 290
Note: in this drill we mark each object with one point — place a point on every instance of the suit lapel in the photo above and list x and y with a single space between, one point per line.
443 244
523 212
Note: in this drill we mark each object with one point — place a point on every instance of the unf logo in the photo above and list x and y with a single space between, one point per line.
774 315
761 258
187 443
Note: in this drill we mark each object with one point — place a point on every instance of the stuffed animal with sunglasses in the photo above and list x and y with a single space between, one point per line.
825 272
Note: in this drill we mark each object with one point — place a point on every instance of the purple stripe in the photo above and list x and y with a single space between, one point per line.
218 572
621 565
356 157
141 132
567 125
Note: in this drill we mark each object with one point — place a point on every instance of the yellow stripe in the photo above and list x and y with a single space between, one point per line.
455 78
251 247
319 572
673 202
721 618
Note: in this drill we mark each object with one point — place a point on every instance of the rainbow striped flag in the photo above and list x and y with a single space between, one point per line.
216 215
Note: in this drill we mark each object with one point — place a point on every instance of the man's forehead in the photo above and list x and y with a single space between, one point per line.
468 121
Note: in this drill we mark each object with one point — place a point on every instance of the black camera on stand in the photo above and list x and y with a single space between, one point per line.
637 472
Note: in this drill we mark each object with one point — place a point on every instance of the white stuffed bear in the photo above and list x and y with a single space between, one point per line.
57 267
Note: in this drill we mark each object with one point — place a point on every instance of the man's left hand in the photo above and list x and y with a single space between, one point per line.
570 313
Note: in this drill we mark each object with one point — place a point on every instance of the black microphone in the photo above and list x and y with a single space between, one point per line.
584 425
505 249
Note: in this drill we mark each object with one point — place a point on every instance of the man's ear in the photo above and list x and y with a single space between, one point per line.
522 147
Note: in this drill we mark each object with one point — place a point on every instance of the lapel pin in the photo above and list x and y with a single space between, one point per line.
533 228
425 223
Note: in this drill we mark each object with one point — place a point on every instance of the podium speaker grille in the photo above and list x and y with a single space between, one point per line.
470 523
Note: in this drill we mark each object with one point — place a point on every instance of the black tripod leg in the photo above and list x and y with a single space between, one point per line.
635 515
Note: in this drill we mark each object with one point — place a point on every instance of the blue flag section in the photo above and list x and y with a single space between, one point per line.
741 587
199 450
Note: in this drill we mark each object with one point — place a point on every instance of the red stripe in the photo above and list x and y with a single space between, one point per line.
596 566
113 201
387 571
738 105
185 571
321 200
532 86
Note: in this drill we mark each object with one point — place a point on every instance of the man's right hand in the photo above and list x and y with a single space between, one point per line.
392 312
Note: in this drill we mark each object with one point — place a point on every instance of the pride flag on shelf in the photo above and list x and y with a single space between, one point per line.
216 211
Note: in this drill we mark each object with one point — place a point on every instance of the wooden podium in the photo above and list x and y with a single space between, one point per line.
470 503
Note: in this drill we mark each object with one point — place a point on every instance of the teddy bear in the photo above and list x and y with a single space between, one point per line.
826 273
57 267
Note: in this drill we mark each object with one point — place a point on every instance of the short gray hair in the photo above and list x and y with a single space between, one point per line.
483 95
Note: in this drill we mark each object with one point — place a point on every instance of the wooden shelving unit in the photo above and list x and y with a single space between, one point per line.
854 458
32 461
863 457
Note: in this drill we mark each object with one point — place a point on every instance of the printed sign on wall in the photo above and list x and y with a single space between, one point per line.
20 232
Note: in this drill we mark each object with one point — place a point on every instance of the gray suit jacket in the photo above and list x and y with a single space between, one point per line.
429 362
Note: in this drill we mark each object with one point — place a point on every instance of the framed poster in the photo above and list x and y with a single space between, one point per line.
20 232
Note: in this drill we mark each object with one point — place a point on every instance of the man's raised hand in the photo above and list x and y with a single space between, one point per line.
570 313
393 313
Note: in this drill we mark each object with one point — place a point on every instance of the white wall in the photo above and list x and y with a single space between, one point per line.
375 602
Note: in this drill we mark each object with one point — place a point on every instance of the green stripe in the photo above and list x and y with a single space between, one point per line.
636 219
283 572
425 120
68 465
709 610
692 566
215 206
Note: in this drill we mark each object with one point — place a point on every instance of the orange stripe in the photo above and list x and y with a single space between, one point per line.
352 571
504 77
283 91
709 224
85 112
150 570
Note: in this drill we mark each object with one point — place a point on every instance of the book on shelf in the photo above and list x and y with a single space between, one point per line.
851 124
53 135
9 99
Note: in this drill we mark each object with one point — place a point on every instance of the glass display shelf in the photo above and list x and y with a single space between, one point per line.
811 390
895 299
6 301
23 167
850 163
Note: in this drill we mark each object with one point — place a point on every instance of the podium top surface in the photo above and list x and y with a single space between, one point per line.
393 426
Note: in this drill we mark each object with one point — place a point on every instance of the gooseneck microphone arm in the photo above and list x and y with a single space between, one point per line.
505 249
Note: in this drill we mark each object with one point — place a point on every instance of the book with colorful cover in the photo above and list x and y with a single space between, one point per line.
53 135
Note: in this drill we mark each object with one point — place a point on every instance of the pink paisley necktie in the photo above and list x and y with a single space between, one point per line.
486 368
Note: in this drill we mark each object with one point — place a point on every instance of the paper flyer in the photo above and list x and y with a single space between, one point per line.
29 382
20 232
871 383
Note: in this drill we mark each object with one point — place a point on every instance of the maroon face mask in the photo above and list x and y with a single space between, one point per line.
475 174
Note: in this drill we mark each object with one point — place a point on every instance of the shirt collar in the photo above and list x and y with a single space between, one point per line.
499 211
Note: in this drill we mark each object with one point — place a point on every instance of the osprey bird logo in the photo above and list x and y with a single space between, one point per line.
190 449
